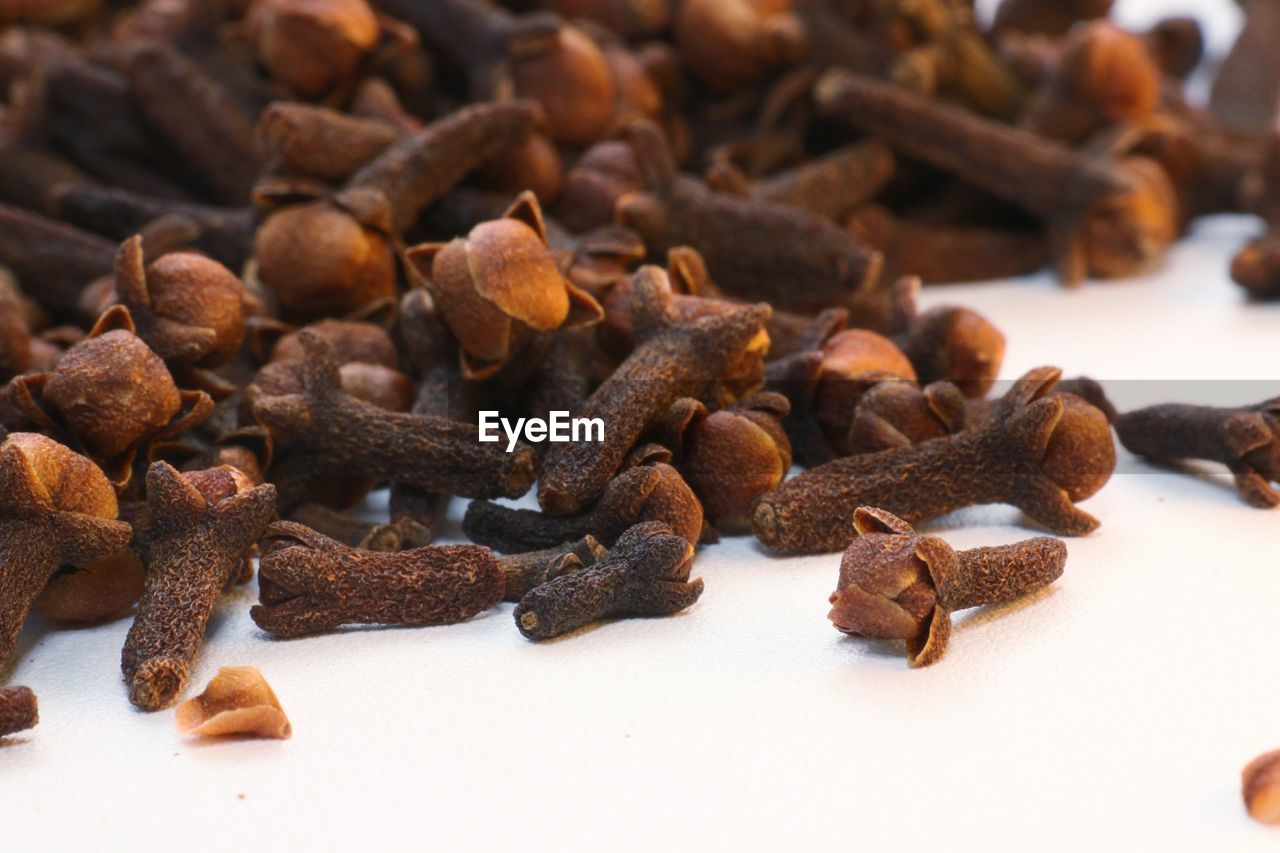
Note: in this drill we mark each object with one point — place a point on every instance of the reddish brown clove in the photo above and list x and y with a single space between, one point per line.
311 45
896 585
310 583
899 414
523 572
1260 787
645 574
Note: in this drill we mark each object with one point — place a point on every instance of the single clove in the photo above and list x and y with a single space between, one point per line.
523 572
896 585
18 710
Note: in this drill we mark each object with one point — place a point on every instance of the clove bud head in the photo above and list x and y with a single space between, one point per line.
1081 453
311 45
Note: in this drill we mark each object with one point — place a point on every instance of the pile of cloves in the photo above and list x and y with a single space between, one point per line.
259 258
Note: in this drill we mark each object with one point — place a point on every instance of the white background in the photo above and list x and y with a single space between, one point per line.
1115 710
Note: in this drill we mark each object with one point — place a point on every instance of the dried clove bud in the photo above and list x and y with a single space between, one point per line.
111 393
604 173
733 456
194 539
673 360
523 572
1246 439
238 701
645 574
731 44
18 710
91 593
312 45
795 259
899 414
329 432
651 490
949 343
500 286
320 142
56 508
311 583
896 585
1260 787
188 309
1042 455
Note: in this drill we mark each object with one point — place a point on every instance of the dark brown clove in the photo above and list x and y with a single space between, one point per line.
896 585
674 360
1246 439
523 572
194 539
645 574
63 259
310 583
651 490
795 259
320 142
328 432
1043 456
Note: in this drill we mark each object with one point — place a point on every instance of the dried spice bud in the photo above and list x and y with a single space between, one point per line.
188 309
310 583
15 334
1042 456
731 44
56 508
194 538
631 19
534 165
523 572
312 45
499 287
1246 439
1105 218
1177 44
896 585
1256 267
645 574
1260 787
949 343
328 432
112 393
383 387
673 360
238 701
351 341
1246 91
852 361
18 710
604 173
733 456
947 253
63 259
1105 77
652 490
795 259
899 414
320 142
399 535
91 593
833 185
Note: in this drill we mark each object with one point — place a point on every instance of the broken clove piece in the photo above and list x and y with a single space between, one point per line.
645 574
18 710
238 701
523 572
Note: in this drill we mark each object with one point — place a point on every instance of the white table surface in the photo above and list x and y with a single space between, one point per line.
1114 710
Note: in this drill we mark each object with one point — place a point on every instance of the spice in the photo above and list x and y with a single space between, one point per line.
1049 17
399 535
18 710
1246 92
523 572
948 343
645 574
795 259
238 701
62 258
1246 439
1042 457
330 432
310 583
56 508
732 44
673 360
194 539
1260 787
112 394
651 490
100 590
312 46
896 585
1106 219
500 286
899 414
320 142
